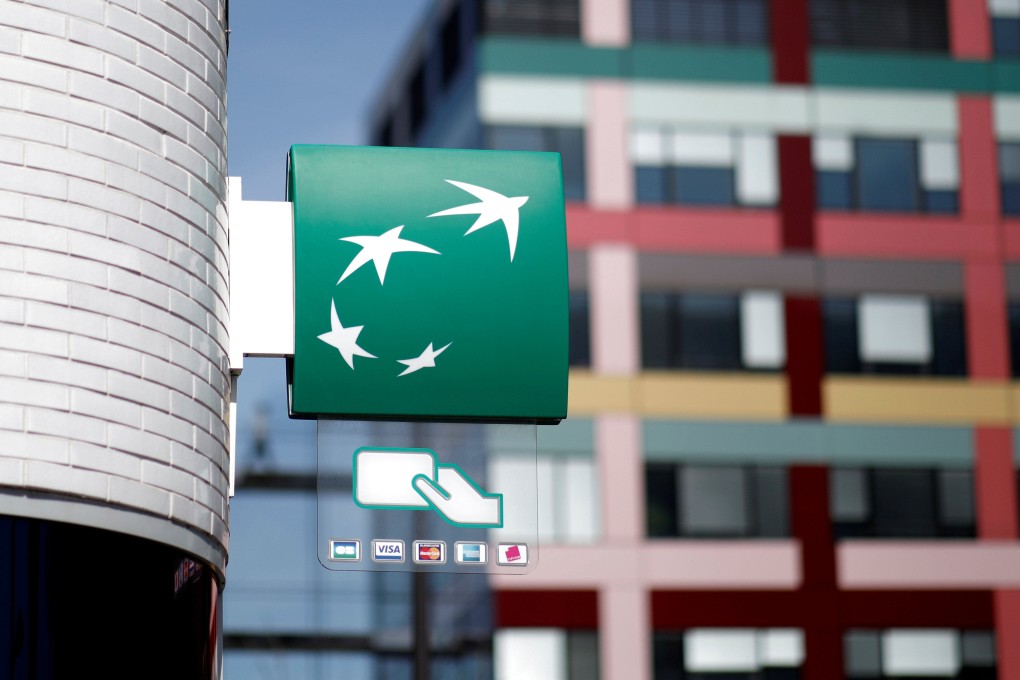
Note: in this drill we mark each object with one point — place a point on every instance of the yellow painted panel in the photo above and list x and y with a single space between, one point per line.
713 395
591 394
921 400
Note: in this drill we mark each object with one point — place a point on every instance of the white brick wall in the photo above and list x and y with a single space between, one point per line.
113 252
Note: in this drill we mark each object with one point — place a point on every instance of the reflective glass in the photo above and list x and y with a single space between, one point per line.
703 186
660 499
580 333
887 175
772 505
650 184
849 500
834 189
949 338
569 142
658 330
941 202
862 654
515 138
713 501
710 332
904 503
1006 36
956 498
839 320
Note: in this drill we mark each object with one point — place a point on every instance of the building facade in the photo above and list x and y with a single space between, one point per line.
795 308
113 337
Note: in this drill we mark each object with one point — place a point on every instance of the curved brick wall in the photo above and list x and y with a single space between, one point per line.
113 267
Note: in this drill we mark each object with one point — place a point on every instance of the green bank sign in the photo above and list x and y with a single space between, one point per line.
428 284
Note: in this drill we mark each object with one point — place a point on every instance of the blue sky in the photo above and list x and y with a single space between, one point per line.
305 72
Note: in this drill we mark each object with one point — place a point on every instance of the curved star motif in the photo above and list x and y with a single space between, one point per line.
344 339
427 359
379 249
493 208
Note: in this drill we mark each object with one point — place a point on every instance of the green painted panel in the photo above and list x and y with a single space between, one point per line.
782 443
548 57
847 69
429 284
1007 76
700 63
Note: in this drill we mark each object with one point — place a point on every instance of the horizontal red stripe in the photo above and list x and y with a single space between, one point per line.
570 609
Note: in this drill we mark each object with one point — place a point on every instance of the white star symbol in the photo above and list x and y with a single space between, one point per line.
427 359
344 339
379 249
493 208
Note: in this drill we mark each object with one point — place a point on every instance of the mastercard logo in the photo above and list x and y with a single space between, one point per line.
430 551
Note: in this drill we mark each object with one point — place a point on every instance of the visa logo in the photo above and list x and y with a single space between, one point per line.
387 551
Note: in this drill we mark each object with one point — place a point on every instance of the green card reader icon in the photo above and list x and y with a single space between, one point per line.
414 479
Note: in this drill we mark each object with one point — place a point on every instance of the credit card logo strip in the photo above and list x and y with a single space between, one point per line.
466 552
430 552
386 550
512 554
345 551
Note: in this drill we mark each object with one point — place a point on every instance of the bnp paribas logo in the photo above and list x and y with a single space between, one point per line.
428 283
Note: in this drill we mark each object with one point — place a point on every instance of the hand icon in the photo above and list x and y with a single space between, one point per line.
455 497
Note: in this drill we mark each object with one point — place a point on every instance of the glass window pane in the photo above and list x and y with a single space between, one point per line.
913 653
943 201
667 654
658 330
849 500
862 654
650 184
703 186
569 142
515 138
1009 162
887 175
839 318
1014 337
949 338
979 648
580 332
710 332
1006 36
1010 198
538 653
772 503
956 498
582 655
904 503
835 189
660 499
713 501
715 650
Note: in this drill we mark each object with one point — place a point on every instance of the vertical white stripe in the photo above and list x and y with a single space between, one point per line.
757 171
762 329
581 509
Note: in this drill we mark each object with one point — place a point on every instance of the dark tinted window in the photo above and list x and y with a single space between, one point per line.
1006 36
567 141
1009 177
580 335
914 25
842 351
887 175
556 18
901 503
450 37
691 331
716 501
712 22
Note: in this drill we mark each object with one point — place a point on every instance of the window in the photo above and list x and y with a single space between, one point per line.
1005 18
894 334
702 331
1009 177
716 501
580 331
901 503
450 37
545 654
890 25
920 652
728 653
567 141
709 22
704 168
1014 337
418 100
553 18
886 175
